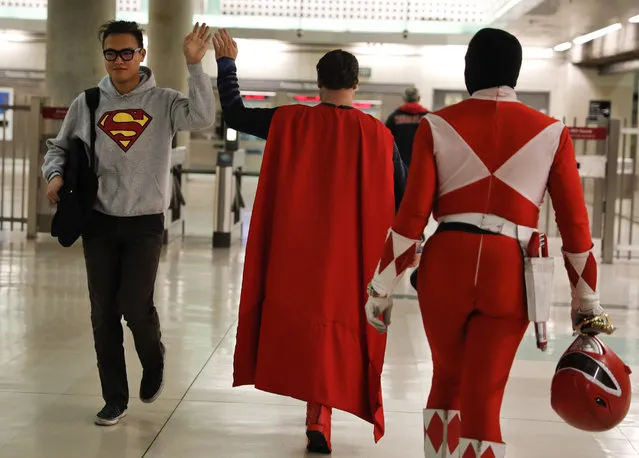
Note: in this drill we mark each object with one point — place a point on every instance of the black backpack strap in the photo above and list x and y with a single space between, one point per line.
93 100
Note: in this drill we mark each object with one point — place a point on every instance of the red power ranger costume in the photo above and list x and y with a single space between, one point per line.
482 167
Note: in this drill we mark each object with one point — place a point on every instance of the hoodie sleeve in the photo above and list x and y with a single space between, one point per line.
55 158
197 111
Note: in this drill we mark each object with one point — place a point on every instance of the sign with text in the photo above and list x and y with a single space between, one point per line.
6 114
54 112
588 133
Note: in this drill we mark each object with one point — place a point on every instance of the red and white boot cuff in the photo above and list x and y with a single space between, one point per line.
442 431
471 448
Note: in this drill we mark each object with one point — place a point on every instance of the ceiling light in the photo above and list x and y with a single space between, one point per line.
537 53
563 47
634 19
259 46
458 51
8 36
383 49
596 34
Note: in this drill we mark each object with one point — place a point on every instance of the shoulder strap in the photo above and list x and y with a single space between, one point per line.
93 100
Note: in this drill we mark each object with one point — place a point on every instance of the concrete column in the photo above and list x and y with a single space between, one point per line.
74 54
169 22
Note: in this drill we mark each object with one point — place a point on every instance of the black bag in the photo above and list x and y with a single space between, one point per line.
79 192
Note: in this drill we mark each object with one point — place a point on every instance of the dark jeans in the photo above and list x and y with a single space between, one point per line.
122 257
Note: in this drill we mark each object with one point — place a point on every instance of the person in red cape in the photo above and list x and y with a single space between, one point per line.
330 182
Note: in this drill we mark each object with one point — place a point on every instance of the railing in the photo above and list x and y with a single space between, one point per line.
627 206
14 166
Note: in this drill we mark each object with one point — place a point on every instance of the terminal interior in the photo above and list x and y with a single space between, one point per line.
581 65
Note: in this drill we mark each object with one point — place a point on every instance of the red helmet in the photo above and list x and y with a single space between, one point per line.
591 386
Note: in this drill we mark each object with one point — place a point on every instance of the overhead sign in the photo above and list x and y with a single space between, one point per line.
6 114
588 133
307 98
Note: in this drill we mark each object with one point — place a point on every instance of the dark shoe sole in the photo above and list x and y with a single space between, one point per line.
317 443
109 422
159 391
155 396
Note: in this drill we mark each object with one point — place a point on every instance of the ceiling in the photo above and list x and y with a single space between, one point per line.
556 21
542 23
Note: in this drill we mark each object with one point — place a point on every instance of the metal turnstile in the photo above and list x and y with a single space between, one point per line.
227 217
174 216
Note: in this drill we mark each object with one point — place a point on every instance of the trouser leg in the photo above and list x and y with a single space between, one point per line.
102 260
140 256
491 346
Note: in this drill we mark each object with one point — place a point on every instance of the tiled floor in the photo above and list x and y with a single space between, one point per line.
49 390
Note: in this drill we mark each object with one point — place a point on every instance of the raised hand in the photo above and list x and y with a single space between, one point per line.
196 44
224 45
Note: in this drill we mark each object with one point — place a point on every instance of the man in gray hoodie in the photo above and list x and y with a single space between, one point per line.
135 124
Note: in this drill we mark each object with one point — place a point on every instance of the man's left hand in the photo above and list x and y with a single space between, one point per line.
376 307
196 44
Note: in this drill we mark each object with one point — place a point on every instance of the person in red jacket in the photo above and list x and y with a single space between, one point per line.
482 167
328 188
404 121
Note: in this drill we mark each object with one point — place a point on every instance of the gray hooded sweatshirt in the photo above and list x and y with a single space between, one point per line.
133 140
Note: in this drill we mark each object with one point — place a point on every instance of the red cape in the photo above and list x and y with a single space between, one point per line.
323 207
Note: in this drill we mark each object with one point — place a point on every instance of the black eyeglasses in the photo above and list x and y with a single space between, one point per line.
126 54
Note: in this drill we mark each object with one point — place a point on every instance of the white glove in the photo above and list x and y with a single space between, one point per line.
376 306
578 315
583 273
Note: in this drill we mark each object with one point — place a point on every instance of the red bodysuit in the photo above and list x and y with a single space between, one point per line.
487 162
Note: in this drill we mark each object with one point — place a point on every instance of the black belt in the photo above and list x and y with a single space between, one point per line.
463 227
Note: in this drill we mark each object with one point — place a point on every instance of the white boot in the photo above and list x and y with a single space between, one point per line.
442 431
471 448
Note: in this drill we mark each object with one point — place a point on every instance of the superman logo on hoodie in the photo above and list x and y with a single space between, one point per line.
124 127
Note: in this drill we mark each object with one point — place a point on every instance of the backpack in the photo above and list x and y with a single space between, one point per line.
79 192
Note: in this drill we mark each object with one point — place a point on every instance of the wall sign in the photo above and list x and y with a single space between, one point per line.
54 112
599 109
365 72
588 133
6 115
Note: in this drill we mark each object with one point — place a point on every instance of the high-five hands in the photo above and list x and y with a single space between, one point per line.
196 44
224 45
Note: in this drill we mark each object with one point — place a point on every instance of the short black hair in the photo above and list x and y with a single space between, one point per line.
118 27
338 69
